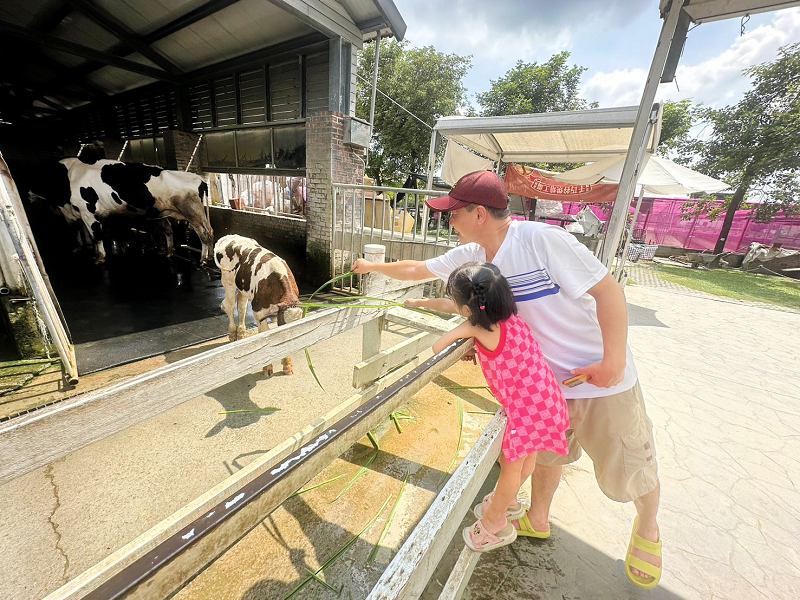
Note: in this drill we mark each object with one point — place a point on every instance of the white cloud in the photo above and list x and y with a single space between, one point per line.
717 81
499 33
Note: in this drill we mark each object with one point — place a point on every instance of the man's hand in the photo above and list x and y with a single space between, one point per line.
602 374
361 266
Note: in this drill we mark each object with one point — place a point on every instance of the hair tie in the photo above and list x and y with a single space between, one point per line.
482 307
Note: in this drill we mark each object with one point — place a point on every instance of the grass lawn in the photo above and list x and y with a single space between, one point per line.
736 284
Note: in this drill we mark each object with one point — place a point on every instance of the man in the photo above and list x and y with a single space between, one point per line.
578 314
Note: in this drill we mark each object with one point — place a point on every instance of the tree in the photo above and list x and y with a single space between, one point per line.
676 122
534 88
755 144
425 82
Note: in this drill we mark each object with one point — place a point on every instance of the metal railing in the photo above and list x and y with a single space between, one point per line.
394 217
267 194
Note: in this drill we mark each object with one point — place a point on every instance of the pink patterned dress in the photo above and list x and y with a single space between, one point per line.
526 387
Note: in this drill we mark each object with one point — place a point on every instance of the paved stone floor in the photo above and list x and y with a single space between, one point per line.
721 382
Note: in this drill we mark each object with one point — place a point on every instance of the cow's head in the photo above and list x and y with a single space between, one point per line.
190 207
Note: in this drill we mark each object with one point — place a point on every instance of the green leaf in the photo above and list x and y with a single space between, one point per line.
388 523
359 474
269 410
318 485
339 552
311 368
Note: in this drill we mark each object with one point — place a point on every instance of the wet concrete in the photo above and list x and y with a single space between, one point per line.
274 559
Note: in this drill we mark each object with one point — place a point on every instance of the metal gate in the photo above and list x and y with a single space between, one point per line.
394 217
22 265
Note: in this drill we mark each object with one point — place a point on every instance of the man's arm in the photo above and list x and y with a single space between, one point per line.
443 305
407 270
612 314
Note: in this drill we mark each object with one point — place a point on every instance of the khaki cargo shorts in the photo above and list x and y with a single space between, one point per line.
617 435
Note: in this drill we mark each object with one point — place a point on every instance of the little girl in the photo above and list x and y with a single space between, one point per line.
522 382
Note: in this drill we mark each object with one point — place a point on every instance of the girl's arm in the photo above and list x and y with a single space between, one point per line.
465 330
444 305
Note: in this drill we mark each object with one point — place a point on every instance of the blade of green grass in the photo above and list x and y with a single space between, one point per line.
340 551
319 579
373 441
396 423
460 405
331 282
387 305
359 474
388 523
264 411
313 371
318 485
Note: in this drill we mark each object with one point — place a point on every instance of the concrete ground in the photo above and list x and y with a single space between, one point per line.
721 382
57 521
720 379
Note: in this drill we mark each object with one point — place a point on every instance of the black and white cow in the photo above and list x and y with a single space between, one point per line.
90 193
251 273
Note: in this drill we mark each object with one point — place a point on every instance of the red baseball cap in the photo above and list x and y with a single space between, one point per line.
480 187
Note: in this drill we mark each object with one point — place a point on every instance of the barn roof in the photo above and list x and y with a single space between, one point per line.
66 53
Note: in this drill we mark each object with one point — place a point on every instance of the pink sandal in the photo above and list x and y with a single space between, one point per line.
479 539
512 514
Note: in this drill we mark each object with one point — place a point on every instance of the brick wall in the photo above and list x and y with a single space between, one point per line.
328 160
179 146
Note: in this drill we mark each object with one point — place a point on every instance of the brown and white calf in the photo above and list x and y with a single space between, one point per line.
251 273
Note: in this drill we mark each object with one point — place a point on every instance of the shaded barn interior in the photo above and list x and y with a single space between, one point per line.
223 87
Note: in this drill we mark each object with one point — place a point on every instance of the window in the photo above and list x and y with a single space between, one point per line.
254 147
148 150
290 147
221 149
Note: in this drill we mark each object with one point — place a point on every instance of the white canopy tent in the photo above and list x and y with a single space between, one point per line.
570 136
659 176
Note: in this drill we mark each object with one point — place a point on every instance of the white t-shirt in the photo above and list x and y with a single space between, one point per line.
550 272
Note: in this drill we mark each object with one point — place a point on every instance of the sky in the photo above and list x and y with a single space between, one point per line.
613 39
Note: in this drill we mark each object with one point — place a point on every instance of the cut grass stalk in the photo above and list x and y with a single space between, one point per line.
330 282
373 441
398 416
315 486
468 387
479 412
340 551
319 579
384 306
359 474
311 368
263 411
460 405
388 523
396 423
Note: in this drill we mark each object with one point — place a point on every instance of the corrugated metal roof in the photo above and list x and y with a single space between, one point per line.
20 12
187 33
143 16
82 30
115 80
233 31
